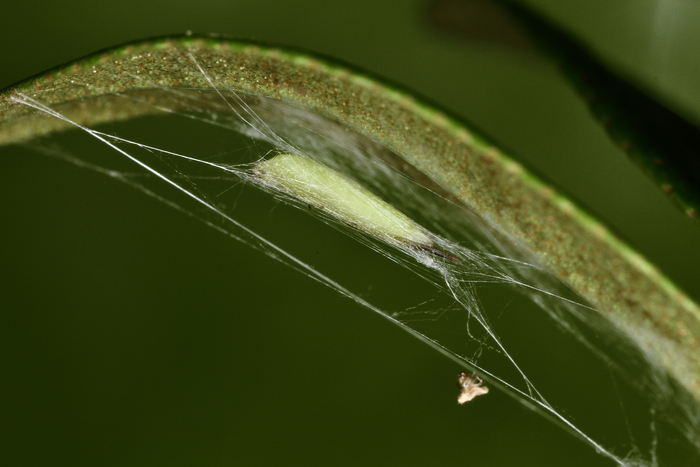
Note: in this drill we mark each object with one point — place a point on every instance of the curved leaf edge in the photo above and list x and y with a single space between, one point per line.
575 246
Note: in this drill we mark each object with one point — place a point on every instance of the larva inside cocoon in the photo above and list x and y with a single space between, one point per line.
323 188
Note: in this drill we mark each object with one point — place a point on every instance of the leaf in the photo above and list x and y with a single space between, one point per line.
664 144
576 247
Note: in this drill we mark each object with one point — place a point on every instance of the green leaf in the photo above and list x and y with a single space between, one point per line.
575 246
664 144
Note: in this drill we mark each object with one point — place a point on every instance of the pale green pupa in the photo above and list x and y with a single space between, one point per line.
321 187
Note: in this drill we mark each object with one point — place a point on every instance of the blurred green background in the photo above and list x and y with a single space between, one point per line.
134 335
